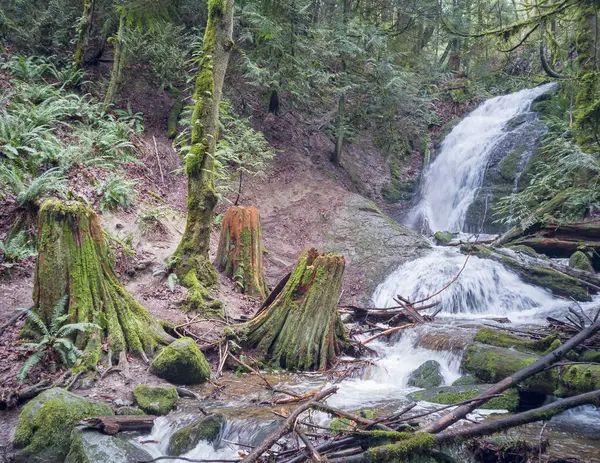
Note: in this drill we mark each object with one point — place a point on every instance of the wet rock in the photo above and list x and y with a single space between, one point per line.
155 400
449 395
207 428
427 375
501 339
580 261
45 424
442 238
129 411
91 446
181 362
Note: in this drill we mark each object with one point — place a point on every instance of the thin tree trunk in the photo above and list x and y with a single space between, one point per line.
116 75
191 257
82 35
336 156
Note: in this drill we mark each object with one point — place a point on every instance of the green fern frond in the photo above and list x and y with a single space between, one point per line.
58 312
69 329
30 363
37 322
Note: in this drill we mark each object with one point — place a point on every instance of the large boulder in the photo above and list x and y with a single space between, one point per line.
207 428
46 422
428 375
155 400
181 362
91 446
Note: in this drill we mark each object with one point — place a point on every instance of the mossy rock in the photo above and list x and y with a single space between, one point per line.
500 339
130 411
207 428
525 250
427 375
449 395
155 400
91 446
580 261
442 238
181 362
46 422
467 380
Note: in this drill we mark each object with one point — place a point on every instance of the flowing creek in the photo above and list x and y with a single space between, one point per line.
483 292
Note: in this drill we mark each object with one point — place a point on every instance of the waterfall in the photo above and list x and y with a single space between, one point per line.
453 178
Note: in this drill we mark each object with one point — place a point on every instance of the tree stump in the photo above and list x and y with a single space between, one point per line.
73 260
239 254
301 328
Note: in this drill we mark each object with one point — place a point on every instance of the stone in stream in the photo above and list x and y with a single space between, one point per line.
427 375
580 261
181 362
45 424
466 380
155 400
442 238
91 446
207 428
449 395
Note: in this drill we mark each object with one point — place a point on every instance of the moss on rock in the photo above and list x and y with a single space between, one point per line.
46 422
442 237
181 362
427 375
207 428
155 400
496 338
455 394
466 380
580 261
90 446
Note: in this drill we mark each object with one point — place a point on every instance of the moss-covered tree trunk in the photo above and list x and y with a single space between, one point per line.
240 250
83 31
191 257
301 328
116 74
73 260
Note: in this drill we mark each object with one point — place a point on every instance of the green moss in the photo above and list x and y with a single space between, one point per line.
553 346
580 261
500 339
427 375
577 379
340 425
455 394
407 449
45 423
442 237
524 249
181 362
158 400
508 168
467 380
130 411
174 113
207 428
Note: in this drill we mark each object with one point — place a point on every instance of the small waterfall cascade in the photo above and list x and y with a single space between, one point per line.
453 178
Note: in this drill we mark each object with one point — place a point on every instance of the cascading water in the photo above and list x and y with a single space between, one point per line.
453 178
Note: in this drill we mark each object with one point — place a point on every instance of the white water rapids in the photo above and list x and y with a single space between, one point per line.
485 289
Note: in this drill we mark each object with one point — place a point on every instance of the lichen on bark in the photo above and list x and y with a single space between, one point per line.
240 250
190 260
73 260
301 328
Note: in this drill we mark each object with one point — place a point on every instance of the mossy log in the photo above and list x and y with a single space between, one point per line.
301 329
240 250
73 261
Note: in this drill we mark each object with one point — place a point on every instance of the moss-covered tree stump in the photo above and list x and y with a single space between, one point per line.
73 260
300 329
240 250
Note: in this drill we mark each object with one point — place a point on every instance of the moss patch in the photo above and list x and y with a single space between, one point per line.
181 362
455 394
580 261
496 338
442 237
207 428
158 400
45 424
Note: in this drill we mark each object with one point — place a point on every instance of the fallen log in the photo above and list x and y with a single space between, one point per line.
119 423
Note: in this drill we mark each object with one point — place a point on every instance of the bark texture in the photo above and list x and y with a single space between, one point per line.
240 250
191 257
301 329
73 260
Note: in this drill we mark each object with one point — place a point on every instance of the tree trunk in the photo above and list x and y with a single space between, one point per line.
240 250
191 257
336 156
73 260
84 29
301 329
116 75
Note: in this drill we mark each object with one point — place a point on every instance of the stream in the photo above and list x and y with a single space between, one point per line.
484 292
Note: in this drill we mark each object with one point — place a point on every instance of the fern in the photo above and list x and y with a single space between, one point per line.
116 193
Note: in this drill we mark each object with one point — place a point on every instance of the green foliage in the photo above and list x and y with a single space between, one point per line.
563 186
15 248
53 340
134 120
116 193
150 221
29 193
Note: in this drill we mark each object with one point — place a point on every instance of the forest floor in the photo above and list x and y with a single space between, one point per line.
304 201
